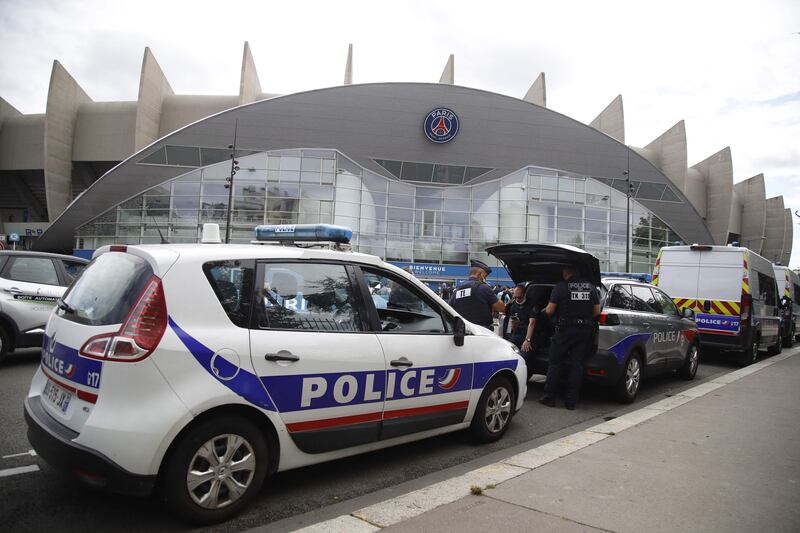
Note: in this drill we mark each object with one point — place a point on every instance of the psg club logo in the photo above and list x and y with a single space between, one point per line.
441 125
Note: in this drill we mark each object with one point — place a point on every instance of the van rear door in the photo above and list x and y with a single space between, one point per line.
679 272
719 293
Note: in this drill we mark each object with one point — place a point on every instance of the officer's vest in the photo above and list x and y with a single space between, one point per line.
466 302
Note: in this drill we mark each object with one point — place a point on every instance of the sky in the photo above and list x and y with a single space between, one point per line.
730 69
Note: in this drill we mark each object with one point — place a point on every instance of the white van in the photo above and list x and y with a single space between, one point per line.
789 294
732 291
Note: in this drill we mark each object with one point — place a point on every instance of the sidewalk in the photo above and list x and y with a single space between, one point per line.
722 456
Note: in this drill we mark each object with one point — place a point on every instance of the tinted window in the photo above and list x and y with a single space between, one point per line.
73 269
666 303
767 289
107 289
620 297
3 259
232 283
33 270
796 293
401 307
310 297
643 299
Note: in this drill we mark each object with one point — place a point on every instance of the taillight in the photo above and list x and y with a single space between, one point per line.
747 300
139 334
609 319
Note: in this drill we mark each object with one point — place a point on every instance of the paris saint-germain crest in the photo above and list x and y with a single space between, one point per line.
441 125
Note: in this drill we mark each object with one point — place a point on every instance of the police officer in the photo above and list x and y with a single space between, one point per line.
574 304
474 299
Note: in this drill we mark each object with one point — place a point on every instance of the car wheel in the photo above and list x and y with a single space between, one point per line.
750 355
776 348
494 411
631 378
215 471
689 368
5 343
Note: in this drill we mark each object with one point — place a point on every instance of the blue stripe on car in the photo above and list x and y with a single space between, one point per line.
621 349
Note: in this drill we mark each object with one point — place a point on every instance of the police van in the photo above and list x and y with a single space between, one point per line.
732 291
789 292
201 369
640 332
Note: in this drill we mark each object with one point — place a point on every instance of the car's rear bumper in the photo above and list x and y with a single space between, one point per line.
736 342
54 443
601 368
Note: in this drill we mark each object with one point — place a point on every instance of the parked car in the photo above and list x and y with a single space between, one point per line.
732 291
640 333
789 292
30 285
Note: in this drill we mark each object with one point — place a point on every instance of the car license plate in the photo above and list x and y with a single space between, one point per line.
57 396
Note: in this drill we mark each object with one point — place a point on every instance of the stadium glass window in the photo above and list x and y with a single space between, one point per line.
448 174
392 166
475 172
183 156
650 191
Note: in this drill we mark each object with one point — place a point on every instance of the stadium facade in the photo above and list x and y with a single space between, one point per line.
424 173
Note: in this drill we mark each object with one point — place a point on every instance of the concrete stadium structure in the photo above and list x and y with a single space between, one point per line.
83 174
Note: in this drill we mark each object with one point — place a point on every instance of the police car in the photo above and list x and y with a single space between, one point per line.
641 332
201 369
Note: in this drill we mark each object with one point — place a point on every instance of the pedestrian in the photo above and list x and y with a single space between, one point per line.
574 305
474 299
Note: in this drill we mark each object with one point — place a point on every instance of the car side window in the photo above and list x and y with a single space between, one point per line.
73 269
667 305
643 299
767 289
33 270
401 307
307 297
620 297
232 282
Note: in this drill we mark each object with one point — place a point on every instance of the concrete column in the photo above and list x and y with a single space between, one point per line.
718 173
64 97
448 74
752 194
348 67
670 153
537 93
153 88
788 235
611 120
6 110
775 229
249 85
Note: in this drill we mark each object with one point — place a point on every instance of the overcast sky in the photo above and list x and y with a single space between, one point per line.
730 69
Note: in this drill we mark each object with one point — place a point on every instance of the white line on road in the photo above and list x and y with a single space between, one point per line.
32 453
19 470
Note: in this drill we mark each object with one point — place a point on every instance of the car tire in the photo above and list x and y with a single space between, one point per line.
788 341
630 380
5 343
776 348
689 369
494 411
241 455
750 355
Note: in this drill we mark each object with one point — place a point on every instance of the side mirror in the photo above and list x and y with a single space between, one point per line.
687 312
459 330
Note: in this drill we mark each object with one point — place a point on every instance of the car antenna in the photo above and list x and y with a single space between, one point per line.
163 240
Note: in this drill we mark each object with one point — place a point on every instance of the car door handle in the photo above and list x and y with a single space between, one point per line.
283 355
646 324
14 290
402 362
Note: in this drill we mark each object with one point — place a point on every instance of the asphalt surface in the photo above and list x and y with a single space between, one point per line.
44 500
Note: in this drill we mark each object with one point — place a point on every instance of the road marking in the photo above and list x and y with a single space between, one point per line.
395 510
32 453
19 470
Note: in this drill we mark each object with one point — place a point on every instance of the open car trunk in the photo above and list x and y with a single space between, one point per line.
541 264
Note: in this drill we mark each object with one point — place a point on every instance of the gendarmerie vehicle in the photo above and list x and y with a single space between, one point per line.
789 292
204 368
732 292
641 332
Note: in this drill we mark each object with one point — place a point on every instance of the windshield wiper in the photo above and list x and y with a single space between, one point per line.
64 306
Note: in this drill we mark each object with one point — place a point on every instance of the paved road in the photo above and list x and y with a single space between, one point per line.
45 501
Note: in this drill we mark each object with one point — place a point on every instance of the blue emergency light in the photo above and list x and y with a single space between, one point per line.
304 233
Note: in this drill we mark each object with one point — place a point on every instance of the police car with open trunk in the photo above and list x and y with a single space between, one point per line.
201 369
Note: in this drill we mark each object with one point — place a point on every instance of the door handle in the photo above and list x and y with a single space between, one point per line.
402 362
14 290
646 324
282 355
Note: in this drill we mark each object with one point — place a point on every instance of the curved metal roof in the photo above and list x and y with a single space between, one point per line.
384 121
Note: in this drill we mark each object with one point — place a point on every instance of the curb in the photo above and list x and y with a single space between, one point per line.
395 510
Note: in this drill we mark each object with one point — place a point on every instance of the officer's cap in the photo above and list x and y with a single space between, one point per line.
480 264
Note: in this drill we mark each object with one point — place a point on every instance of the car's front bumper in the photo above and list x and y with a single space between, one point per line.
54 443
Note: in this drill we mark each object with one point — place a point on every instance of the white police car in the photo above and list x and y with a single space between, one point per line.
201 369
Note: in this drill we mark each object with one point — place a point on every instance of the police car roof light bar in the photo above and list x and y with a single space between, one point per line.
303 233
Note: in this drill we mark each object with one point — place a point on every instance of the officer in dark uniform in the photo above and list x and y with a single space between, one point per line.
574 304
474 299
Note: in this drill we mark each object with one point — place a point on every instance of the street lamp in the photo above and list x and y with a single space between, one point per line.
229 180
628 190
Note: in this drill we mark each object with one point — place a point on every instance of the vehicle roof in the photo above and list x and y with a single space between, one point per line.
630 281
205 252
43 254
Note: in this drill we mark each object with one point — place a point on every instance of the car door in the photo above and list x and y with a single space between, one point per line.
30 288
653 322
313 351
677 339
428 378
